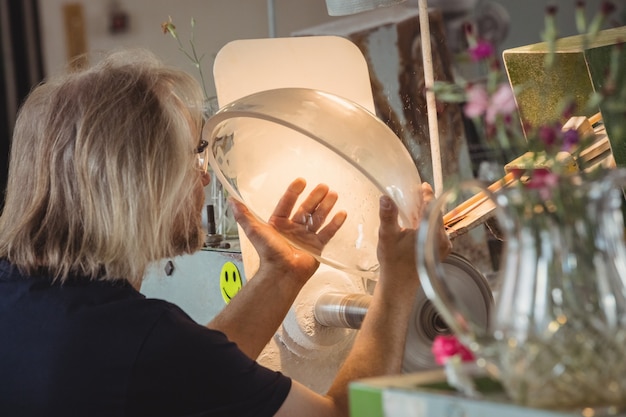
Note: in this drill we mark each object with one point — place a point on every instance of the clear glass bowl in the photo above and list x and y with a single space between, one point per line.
262 142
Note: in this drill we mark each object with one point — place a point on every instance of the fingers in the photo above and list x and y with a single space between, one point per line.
242 215
428 195
388 214
259 234
316 207
313 211
331 228
307 221
444 244
427 192
288 200
244 218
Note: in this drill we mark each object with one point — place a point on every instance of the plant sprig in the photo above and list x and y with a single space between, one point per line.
191 54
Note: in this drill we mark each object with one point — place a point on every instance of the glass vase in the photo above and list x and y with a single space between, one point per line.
556 338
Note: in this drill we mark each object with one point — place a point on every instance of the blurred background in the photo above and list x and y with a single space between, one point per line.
38 37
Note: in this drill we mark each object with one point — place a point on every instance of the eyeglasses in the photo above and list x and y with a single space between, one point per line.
202 152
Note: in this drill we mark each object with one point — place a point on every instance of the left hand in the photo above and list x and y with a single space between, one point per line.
303 227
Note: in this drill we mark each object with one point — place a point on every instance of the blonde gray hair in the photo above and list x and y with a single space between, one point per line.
103 177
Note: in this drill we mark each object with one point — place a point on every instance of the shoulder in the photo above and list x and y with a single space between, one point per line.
188 366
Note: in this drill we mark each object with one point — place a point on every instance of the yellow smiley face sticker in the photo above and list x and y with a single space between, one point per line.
230 281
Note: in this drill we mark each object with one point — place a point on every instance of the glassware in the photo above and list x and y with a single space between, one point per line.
557 336
225 224
262 142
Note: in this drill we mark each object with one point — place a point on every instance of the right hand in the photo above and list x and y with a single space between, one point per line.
396 245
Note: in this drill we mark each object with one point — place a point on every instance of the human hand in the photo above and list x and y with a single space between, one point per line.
444 244
304 228
396 245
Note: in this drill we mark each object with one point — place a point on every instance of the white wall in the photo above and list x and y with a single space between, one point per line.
217 22
527 18
220 21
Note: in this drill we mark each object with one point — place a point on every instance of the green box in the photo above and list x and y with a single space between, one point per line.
426 394
579 70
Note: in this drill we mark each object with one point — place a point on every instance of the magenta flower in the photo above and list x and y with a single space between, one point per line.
548 135
446 346
482 50
607 8
571 138
544 181
542 177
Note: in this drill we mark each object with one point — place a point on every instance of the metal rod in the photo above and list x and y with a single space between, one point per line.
271 19
342 310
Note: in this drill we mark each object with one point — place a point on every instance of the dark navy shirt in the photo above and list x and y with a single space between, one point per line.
94 348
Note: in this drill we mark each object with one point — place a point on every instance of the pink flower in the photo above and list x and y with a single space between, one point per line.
544 181
542 177
482 50
477 101
502 103
446 346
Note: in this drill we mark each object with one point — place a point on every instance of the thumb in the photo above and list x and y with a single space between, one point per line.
252 226
388 213
241 213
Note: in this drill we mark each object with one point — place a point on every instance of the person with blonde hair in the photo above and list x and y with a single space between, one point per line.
106 176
